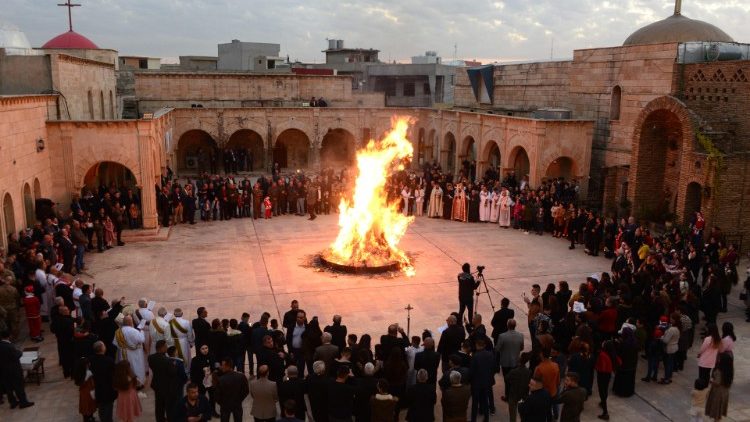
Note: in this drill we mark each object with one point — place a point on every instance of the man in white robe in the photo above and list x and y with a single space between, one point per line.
51 281
435 206
129 342
141 319
159 330
494 206
182 334
484 205
505 204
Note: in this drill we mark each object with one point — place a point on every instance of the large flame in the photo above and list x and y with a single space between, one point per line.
370 227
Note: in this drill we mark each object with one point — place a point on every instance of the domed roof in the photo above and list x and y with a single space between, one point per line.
677 28
70 39
12 37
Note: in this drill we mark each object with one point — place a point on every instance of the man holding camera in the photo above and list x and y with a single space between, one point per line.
466 287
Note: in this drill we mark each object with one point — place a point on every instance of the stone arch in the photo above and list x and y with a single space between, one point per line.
8 216
491 155
421 147
37 189
468 149
107 173
28 205
195 151
294 124
518 161
343 124
338 148
253 144
292 149
662 135
615 103
448 153
693 198
564 167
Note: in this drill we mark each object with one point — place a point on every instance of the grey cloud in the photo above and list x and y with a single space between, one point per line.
399 28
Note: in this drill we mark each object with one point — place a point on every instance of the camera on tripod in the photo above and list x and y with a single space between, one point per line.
480 268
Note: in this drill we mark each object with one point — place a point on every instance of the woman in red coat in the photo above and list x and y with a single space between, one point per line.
33 314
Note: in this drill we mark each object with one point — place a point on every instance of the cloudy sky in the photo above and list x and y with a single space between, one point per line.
487 30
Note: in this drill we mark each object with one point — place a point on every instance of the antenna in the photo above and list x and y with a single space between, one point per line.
552 49
455 52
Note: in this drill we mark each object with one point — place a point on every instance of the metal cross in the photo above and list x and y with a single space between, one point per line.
70 6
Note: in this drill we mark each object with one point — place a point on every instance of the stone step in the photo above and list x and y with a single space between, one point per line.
158 234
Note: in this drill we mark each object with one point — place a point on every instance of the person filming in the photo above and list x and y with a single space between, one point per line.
466 287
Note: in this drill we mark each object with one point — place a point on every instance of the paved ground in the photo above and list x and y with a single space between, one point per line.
241 265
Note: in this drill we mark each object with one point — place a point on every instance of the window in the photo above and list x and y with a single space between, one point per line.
409 89
91 105
101 105
426 88
614 105
390 88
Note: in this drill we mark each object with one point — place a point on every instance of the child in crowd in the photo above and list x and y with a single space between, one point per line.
268 206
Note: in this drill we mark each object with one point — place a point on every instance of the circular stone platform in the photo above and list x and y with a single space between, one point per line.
327 260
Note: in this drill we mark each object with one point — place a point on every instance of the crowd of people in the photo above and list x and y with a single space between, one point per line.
661 293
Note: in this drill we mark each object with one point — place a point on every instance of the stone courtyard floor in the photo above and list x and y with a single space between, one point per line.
255 266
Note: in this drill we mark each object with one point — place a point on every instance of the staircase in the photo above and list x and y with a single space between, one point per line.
159 234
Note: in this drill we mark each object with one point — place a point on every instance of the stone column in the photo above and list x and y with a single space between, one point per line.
146 170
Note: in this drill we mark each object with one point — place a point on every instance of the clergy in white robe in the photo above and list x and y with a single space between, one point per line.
435 205
129 342
184 338
50 282
494 206
419 201
505 204
141 319
160 330
484 205
407 197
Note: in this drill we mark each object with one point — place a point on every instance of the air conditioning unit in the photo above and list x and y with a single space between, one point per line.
191 162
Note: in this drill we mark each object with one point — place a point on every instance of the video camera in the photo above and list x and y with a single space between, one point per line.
480 268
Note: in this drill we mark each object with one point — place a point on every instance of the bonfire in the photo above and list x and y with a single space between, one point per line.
371 226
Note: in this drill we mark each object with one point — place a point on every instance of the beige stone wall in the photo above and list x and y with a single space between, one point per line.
22 124
88 87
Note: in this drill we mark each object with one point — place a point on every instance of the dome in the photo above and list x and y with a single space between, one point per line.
12 37
71 39
677 28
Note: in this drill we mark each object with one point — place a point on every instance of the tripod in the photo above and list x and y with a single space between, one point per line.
482 283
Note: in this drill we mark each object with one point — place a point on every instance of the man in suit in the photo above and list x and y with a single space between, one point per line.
391 340
201 328
164 376
326 352
455 399
265 395
247 350
103 368
11 373
537 405
421 398
293 389
482 372
500 319
428 359
294 340
68 251
508 348
231 391
451 339
338 332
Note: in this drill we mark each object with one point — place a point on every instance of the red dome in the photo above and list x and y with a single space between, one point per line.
70 39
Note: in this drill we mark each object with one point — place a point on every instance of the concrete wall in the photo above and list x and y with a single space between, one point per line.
24 74
238 55
22 124
99 55
88 87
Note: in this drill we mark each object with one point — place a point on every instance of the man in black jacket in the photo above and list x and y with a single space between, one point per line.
338 332
428 359
482 372
103 368
451 339
201 328
500 318
164 378
535 407
293 388
11 373
231 391
466 287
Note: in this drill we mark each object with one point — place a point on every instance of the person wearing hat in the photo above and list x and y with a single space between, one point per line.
538 405
33 314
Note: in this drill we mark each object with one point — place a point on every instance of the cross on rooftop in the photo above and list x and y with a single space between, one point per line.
70 6
678 7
